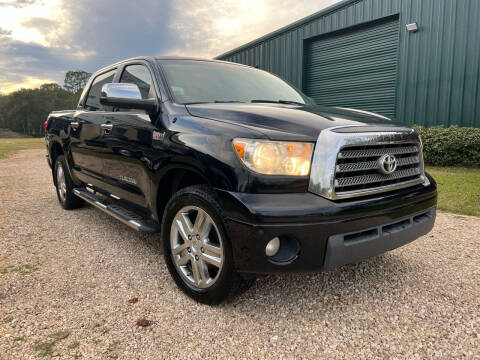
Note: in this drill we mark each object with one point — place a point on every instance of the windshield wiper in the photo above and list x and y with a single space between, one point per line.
213 102
278 102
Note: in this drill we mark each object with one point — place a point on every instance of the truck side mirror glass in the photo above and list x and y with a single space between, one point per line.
126 96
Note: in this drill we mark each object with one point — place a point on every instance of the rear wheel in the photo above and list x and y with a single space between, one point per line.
64 185
197 249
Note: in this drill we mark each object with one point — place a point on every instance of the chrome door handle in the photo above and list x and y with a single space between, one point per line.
107 126
75 124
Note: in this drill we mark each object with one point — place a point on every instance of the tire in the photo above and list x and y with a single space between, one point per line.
64 185
202 266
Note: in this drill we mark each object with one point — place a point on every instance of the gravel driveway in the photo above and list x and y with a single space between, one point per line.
66 278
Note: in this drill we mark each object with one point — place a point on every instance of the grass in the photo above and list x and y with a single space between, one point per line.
74 345
458 189
23 269
113 346
60 335
45 348
9 145
111 349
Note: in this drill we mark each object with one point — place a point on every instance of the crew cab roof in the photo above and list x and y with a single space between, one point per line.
154 58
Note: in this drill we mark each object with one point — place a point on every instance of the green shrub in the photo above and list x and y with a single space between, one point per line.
452 146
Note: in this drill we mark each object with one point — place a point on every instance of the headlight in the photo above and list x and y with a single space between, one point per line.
275 157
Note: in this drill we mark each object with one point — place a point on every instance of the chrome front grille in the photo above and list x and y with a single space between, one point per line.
373 165
358 167
365 181
376 151
349 163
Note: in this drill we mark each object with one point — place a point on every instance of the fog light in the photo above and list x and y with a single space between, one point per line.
272 247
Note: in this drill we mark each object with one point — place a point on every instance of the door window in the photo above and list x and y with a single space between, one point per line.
140 76
93 98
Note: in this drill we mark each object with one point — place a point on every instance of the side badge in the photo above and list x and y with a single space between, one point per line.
128 179
157 135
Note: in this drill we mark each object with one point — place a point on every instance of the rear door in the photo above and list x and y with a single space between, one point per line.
87 134
129 144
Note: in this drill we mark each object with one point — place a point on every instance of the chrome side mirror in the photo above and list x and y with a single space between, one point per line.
121 91
127 96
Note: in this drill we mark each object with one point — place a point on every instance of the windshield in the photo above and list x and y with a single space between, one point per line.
204 82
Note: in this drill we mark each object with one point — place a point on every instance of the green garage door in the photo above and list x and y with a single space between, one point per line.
355 68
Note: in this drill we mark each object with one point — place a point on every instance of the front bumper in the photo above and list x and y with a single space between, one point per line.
352 247
329 233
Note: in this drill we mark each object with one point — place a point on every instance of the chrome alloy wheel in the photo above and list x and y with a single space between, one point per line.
196 247
61 183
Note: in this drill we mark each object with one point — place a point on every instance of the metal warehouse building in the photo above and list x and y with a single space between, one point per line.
416 61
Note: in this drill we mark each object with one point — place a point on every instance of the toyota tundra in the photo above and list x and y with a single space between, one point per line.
239 172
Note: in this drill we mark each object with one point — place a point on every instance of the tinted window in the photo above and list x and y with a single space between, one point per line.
204 81
139 75
93 98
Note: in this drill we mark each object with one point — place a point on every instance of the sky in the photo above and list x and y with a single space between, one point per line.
40 40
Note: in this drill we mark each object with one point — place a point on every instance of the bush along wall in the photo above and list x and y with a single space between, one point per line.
452 146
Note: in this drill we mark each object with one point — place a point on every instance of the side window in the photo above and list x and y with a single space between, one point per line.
93 99
139 75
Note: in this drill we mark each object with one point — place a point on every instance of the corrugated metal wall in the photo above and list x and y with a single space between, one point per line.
438 76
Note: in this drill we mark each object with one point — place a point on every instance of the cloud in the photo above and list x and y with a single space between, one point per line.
26 83
44 39
209 29
20 61
18 3
85 35
43 25
49 29
116 31
5 32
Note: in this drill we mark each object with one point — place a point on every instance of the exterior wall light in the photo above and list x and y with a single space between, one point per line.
413 27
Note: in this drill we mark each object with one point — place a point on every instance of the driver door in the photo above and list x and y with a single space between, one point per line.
129 143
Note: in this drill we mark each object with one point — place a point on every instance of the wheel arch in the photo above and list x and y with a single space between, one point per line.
173 179
55 149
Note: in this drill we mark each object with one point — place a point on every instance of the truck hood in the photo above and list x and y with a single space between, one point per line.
288 122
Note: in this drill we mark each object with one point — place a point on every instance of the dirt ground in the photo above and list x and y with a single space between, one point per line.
66 278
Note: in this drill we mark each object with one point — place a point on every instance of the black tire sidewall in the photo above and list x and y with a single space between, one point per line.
196 196
71 201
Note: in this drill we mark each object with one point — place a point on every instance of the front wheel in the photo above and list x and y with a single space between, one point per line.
197 250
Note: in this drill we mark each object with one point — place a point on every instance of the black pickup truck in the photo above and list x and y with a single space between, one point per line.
239 172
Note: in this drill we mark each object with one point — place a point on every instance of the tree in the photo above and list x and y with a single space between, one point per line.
50 87
3 100
75 81
25 110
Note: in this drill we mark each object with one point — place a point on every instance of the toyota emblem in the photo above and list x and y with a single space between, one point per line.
387 164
